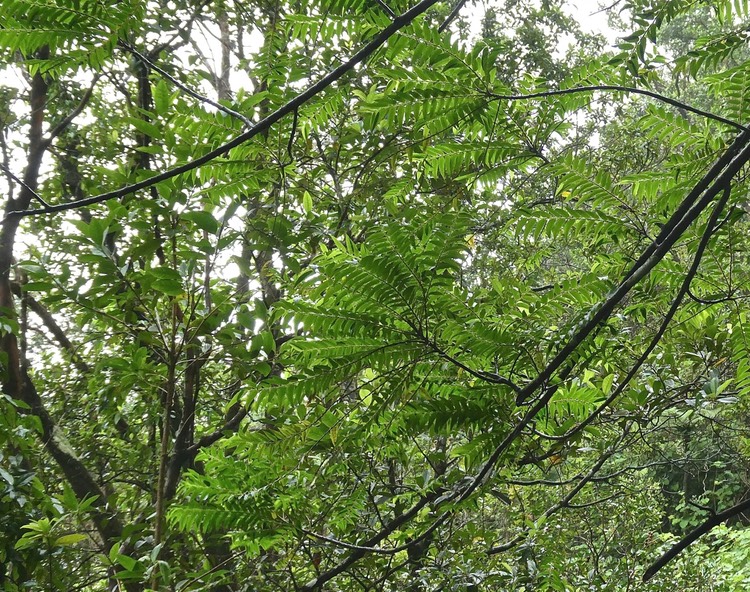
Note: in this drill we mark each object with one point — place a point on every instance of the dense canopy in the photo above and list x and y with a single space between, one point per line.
355 295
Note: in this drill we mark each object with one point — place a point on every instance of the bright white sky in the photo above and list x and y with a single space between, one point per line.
592 19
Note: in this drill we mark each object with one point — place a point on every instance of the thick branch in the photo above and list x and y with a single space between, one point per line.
230 425
185 433
694 535
711 184
78 476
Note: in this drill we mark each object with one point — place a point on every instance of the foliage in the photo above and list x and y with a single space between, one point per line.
372 295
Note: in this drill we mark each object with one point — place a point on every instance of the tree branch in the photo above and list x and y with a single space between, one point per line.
186 89
230 425
677 300
23 184
717 178
565 501
263 125
454 13
366 546
62 126
625 89
710 523
51 324
386 8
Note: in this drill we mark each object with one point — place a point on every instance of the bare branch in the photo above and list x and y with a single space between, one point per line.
386 8
23 184
365 547
565 501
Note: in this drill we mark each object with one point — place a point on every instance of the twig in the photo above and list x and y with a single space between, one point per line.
625 89
386 8
454 13
357 554
23 184
211 570
60 127
565 501
290 143
164 74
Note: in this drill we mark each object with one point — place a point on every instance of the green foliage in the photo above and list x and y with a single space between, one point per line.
349 353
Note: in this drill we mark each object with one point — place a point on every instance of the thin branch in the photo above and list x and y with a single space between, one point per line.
386 8
490 377
263 125
454 13
625 89
352 547
23 184
230 425
712 301
357 554
211 570
186 89
601 478
596 502
606 8
565 501
62 126
182 33
290 143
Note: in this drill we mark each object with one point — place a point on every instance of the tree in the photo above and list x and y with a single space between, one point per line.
334 294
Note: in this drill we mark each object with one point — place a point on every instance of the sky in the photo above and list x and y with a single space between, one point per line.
592 19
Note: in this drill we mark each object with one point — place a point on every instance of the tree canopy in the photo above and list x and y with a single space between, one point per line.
374 295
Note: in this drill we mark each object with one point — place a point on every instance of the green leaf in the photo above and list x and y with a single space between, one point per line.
162 97
70 539
145 127
307 202
128 563
169 287
203 220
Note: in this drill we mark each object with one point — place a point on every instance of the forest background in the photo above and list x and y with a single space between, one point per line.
355 295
